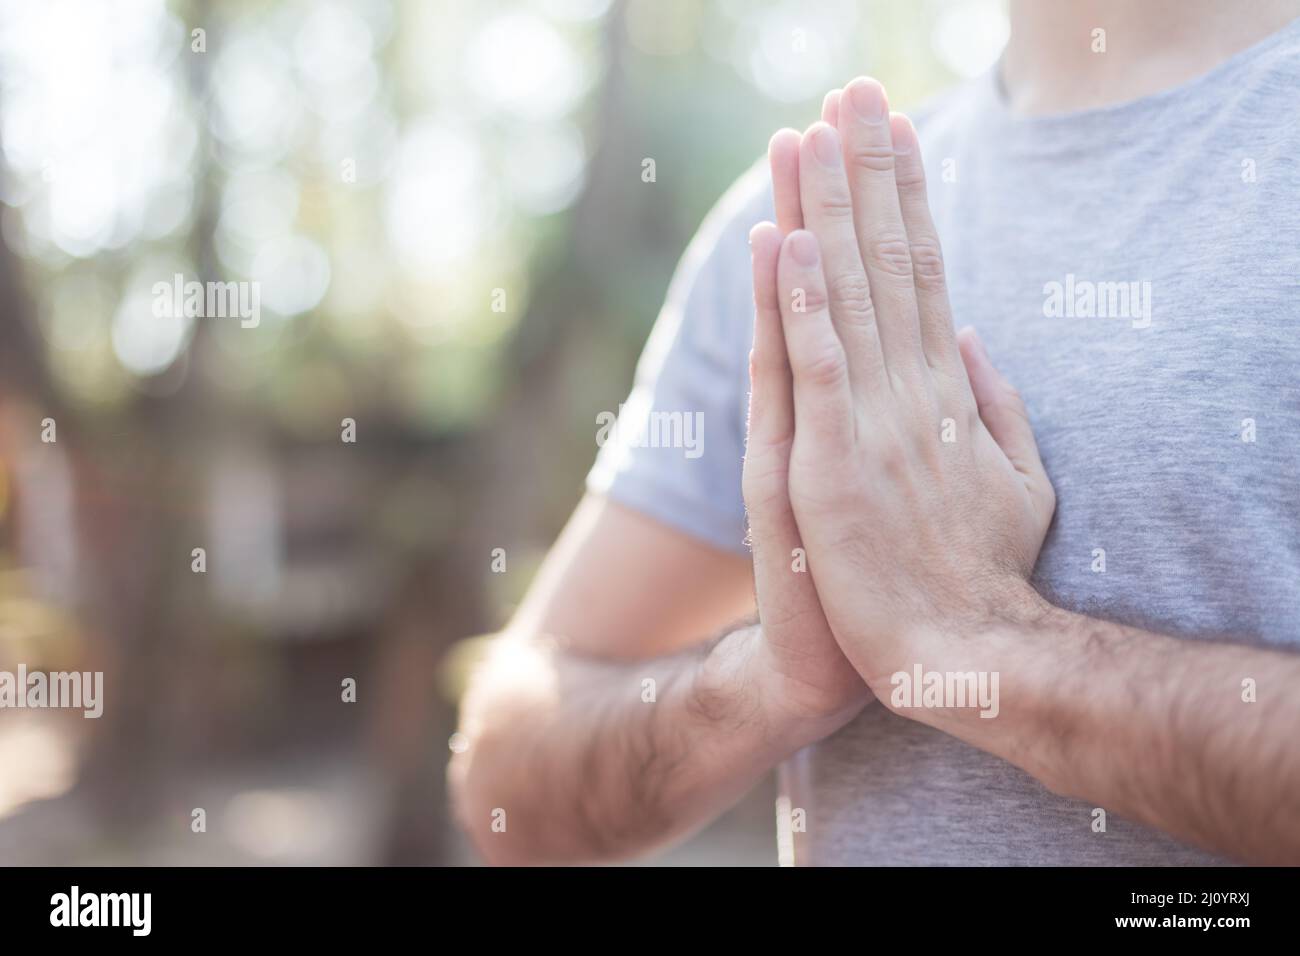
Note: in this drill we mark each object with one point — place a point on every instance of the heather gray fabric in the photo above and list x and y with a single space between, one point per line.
1192 194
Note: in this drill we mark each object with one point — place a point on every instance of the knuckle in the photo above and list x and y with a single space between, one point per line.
892 255
809 298
826 368
927 261
836 206
850 294
875 157
910 176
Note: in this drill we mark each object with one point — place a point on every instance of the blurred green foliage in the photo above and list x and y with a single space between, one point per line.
387 171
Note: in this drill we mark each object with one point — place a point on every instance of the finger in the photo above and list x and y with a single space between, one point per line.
938 340
823 401
831 108
783 158
878 220
828 214
771 396
1003 412
773 531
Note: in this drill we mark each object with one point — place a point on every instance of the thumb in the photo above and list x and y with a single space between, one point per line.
1003 412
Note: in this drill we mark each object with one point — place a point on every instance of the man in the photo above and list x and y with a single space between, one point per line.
1119 229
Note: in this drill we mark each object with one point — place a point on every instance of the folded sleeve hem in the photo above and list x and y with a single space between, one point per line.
699 519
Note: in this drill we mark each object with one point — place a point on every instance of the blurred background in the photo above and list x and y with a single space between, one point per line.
443 204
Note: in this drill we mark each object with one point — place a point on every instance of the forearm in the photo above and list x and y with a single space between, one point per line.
588 761
1153 728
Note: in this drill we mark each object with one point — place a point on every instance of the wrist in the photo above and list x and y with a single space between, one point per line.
1015 646
1002 603
796 712
740 691
1019 605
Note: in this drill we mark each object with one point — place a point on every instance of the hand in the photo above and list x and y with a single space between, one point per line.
811 676
914 475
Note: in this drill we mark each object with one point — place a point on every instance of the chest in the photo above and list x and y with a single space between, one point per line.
1158 355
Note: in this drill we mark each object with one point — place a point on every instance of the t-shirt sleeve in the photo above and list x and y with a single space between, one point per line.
677 448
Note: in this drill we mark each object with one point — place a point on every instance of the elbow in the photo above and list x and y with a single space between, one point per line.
509 816
488 796
483 784
476 807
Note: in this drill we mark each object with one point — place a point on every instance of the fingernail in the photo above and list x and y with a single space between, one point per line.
868 98
804 248
826 146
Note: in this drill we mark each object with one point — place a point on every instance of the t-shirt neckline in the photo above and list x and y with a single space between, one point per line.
1126 111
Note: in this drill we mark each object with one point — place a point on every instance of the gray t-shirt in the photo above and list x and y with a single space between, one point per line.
1134 271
